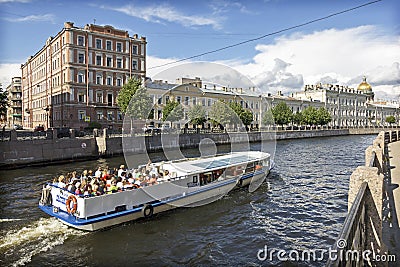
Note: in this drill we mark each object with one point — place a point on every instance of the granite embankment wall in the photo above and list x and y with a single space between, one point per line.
16 152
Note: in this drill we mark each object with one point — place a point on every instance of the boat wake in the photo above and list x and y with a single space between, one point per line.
17 247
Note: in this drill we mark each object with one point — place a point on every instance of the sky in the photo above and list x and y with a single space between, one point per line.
339 50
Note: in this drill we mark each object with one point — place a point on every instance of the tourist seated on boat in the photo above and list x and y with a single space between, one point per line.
127 185
61 182
98 172
123 175
153 180
121 169
101 189
130 178
78 190
113 188
87 191
71 187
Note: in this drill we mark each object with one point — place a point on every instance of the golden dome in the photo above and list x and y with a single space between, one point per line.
364 86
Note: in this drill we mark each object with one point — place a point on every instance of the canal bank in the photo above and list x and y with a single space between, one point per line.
52 150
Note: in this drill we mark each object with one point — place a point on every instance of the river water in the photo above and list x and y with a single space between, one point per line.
301 206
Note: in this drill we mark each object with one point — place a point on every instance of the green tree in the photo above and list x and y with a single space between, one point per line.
243 116
197 115
172 111
3 104
268 118
126 93
282 113
220 113
246 117
310 116
140 105
323 116
390 119
298 118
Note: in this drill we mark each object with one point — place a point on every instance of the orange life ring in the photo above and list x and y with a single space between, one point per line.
75 204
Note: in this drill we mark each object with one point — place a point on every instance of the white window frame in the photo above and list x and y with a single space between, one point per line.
99 79
101 60
120 46
111 61
119 81
97 44
107 43
79 38
83 58
119 63
109 80
81 77
134 66
81 115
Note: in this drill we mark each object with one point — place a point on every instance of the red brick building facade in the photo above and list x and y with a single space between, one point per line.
75 78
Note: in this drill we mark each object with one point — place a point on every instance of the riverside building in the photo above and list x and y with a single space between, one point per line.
350 107
14 96
189 92
74 79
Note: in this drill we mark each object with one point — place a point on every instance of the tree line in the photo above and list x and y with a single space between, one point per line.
281 114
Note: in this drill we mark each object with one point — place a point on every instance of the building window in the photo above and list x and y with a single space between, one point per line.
81 40
99 115
81 97
109 61
166 99
209 102
98 60
134 64
203 102
99 97
178 99
159 101
81 77
109 99
109 80
187 100
119 47
81 58
119 82
194 101
108 45
81 115
119 116
99 79
134 50
98 43
110 115
119 63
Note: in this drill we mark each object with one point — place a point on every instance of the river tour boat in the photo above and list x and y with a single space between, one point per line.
192 182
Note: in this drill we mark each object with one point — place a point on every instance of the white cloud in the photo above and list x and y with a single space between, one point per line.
45 17
339 56
7 71
223 6
166 13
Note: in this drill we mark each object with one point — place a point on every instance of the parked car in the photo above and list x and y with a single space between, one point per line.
39 128
18 127
63 132
151 129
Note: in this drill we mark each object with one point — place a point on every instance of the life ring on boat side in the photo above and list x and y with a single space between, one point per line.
68 204
148 211
136 186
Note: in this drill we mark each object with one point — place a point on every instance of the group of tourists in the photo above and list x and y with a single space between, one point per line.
107 181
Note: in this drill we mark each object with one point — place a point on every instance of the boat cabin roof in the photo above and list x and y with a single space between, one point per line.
199 165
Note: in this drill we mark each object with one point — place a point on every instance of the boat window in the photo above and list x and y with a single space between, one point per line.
195 179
